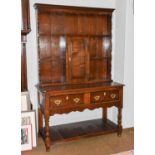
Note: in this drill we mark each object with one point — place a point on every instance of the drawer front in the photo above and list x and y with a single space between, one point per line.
104 96
66 100
77 99
59 101
73 100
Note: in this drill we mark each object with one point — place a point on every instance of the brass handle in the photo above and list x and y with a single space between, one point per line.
113 96
57 102
76 100
96 98
104 93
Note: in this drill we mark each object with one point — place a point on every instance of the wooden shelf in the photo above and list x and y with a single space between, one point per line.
74 35
72 131
99 58
43 60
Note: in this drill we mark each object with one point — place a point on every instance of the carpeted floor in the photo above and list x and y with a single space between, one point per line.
131 152
99 145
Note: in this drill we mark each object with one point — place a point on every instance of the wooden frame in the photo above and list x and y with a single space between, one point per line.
25 101
25 25
25 29
29 117
26 137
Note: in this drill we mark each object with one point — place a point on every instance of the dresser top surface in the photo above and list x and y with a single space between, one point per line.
77 8
78 86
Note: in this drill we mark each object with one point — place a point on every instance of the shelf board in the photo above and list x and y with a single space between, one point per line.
72 131
99 58
74 35
43 60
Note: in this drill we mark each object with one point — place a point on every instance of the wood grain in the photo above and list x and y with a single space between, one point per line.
63 133
74 60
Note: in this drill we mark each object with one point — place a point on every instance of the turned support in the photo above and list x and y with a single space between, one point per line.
104 114
40 117
47 133
119 121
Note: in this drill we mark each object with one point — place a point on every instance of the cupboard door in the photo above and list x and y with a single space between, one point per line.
77 59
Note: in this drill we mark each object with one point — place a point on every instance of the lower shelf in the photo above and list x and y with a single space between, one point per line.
67 132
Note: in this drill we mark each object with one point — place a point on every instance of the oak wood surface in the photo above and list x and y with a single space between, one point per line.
72 131
73 48
74 60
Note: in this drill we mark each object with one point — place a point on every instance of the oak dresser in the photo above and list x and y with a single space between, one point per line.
74 61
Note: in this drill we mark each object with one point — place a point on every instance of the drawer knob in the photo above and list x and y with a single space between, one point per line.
113 96
57 102
76 100
104 93
97 97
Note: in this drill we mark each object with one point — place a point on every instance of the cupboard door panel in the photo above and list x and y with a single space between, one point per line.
77 59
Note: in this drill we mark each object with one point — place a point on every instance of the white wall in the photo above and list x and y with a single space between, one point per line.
128 112
118 60
124 59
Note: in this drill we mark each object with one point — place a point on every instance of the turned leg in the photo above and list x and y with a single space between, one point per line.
47 133
40 117
119 121
104 114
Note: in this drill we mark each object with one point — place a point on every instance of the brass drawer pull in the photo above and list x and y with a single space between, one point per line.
113 96
57 102
104 93
76 100
96 98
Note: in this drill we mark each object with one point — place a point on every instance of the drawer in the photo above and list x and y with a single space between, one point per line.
77 99
104 96
59 101
68 100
